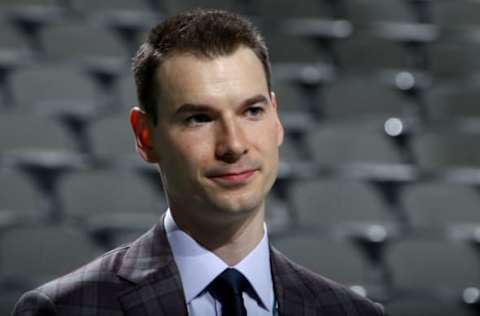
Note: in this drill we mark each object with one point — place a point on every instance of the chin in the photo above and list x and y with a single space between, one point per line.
239 205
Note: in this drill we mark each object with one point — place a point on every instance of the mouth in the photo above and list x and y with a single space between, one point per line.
231 179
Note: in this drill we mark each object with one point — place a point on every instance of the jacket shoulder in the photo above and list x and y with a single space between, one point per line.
329 295
77 286
34 303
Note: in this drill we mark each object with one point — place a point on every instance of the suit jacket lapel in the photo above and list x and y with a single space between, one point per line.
292 296
156 286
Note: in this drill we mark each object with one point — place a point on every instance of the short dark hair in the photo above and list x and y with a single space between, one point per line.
201 32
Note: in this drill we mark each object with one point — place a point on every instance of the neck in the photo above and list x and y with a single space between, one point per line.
231 240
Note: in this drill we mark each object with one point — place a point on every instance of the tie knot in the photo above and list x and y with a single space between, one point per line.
227 288
230 281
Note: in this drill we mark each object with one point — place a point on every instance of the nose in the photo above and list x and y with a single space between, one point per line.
231 142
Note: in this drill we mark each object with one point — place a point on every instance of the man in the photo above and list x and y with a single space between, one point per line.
208 119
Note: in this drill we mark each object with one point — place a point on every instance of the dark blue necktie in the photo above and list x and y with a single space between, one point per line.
228 288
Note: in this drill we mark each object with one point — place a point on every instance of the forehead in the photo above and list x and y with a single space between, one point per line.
189 78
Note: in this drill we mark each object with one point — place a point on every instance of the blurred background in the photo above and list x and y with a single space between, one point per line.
380 172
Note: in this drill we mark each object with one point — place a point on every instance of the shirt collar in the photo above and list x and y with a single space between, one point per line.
191 258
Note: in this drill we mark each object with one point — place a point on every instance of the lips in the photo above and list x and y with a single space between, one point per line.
233 178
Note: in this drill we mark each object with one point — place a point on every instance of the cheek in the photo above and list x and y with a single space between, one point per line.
189 154
267 138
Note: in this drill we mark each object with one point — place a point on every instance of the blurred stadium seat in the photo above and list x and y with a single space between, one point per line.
455 58
363 141
104 57
424 305
112 138
283 9
379 103
126 93
33 255
19 200
44 159
362 96
172 6
65 41
20 132
14 52
455 14
433 267
278 216
292 150
337 260
443 148
127 18
62 92
455 101
436 205
35 88
305 51
89 7
323 203
364 12
310 81
355 53
129 203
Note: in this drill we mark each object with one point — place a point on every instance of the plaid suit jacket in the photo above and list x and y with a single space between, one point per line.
141 279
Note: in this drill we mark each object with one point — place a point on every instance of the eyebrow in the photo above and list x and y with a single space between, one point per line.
192 107
259 98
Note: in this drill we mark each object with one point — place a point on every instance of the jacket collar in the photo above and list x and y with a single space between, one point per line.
156 286
156 289
290 291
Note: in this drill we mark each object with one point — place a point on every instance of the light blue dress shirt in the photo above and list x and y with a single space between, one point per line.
198 267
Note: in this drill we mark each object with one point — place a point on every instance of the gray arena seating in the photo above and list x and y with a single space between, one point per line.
355 53
324 203
19 245
358 97
423 265
283 9
128 194
14 52
447 149
368 11
454 59
129 205
278 216
380 167
172 6
61 92
420 306
112 137
456 13
455 101
89 7
337 260
19 199
126 93
346 143
65 41
436 205
20 131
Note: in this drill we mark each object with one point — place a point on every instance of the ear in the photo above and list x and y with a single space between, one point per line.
142 128
280 131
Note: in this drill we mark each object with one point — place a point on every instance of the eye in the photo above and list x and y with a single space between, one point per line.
197 119
255 111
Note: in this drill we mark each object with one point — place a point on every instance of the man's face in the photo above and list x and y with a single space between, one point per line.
218 133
